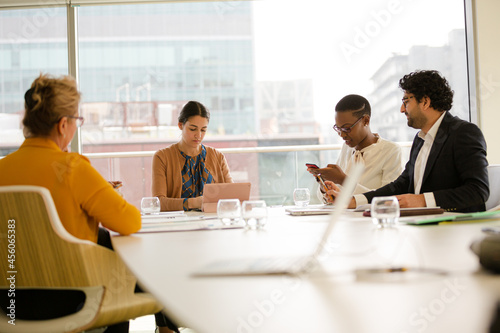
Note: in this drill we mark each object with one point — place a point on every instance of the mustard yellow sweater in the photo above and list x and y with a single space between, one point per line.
167 174
83 198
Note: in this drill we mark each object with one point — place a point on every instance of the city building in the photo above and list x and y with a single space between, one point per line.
385 100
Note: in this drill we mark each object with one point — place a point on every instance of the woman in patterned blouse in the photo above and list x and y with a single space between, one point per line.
181 170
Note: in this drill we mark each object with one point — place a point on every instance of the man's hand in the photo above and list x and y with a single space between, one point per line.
411 200
332 172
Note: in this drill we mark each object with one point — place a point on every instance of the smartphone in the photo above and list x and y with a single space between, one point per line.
312 166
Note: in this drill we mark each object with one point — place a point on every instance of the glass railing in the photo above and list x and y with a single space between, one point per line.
274 172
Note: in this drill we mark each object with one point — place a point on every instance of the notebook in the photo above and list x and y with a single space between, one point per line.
284 265
212 193
413 211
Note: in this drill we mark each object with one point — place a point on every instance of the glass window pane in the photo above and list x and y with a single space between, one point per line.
31 41
140 63
269 71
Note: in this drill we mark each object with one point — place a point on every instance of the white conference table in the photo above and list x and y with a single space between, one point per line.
332 298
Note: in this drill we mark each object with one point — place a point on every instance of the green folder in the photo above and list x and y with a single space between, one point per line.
453 219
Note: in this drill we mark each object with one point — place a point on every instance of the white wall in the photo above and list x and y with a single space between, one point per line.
487 31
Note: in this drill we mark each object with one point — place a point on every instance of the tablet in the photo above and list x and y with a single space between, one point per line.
212 193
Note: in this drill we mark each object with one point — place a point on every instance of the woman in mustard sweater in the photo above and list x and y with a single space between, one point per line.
181 170
83 198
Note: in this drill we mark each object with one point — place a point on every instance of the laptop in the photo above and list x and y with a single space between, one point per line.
310 210
284 265
212 193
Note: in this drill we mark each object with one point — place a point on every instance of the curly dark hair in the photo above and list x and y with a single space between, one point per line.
429 83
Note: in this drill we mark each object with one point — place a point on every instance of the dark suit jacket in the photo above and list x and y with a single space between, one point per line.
455 172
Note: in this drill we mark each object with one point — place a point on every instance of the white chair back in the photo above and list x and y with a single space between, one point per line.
494 177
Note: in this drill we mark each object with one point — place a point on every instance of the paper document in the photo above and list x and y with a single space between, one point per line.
162 217
186 223
452 218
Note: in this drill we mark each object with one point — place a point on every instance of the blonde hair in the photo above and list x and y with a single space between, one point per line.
47 101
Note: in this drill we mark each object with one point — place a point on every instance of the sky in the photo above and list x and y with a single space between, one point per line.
339 46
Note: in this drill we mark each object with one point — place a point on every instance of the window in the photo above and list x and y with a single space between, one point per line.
31 41
269 71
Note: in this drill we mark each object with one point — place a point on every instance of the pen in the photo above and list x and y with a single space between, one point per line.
403 270
491 230
385 270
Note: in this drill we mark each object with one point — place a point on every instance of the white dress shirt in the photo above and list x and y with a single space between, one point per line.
421 162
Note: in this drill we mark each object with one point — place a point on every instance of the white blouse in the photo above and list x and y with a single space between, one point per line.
382 162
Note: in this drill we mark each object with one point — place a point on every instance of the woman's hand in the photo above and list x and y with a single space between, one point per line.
195 203
334 191
331 172
116 183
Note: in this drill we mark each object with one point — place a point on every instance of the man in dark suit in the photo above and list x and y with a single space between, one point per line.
447 166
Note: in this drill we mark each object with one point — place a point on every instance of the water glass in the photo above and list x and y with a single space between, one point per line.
229 211
254 213
301 197
150 205
385 211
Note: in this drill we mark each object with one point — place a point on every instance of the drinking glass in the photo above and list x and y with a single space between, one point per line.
229 211
385 211
150 205
254 213
301 196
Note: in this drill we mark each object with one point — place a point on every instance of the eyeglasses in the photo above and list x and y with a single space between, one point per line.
405 100
339 130
79 120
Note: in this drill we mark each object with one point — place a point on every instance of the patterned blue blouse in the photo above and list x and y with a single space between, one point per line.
194 176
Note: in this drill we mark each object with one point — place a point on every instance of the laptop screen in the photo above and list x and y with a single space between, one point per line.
212 193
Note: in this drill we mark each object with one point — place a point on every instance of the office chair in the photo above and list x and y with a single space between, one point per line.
494 178
47 260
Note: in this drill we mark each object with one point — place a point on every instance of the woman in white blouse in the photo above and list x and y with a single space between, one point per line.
381 158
